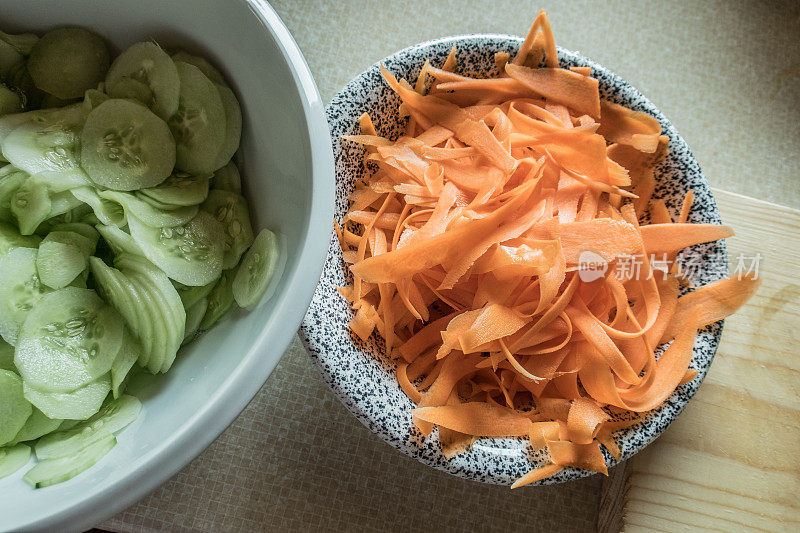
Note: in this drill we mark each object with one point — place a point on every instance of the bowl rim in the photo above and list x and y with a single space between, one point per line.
219 410
313 345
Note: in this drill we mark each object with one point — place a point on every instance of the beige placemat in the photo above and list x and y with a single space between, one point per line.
296 459
726 73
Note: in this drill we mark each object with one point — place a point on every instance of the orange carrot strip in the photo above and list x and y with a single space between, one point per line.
476 418
363 323
563 86
625 126
409 260
714 302
402 379
537 474
494 322
596 335
586 456
478 135
671 238
584 420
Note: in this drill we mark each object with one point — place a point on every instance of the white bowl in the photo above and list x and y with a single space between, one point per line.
288 175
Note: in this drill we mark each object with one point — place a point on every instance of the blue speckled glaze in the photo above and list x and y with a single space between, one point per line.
363 377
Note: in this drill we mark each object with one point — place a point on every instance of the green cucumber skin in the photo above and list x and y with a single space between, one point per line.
113 416
53 471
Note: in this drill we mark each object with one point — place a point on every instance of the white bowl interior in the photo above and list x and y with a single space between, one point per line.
285 144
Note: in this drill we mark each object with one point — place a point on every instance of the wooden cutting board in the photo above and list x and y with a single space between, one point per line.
731 461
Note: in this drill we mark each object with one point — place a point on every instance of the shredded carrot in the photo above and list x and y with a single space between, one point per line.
468 246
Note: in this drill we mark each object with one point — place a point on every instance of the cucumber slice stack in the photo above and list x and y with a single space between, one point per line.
124 234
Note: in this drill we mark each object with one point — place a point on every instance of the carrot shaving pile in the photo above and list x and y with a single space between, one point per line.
466 244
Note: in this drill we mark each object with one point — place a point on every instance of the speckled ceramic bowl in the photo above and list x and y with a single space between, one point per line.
363 377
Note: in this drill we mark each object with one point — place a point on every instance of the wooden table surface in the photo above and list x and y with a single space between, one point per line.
727 74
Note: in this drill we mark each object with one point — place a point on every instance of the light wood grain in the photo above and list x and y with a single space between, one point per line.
730 462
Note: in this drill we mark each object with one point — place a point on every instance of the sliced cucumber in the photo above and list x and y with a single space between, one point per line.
220 301
233 126
80 281
22 42
147 63
61 203
9 58
147 213
85 244
69 339
192 295
69 117
13 458
180 189
63 180
93 98
77 214
14 408
9 123
154 314
257 269
11 238
79 404
38 424
132 89
67 61
119 241
58 264
31 205
191 253
112 417
194 315
125 146
85 230
9 183
19 78
167 305
155 203
128 355
205 67
68 424
7 356
37 147
199 125
52 471
20 290
90 218
108 212
40 146
50 101
11 100
120 293
228 179
230 210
